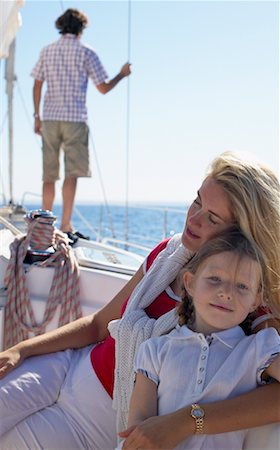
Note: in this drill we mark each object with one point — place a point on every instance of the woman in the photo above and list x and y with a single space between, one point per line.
54 392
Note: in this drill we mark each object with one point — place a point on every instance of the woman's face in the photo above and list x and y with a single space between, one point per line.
208 215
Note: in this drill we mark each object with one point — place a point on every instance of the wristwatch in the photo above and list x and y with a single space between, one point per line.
197 413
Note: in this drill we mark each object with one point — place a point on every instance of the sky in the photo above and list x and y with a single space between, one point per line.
205 79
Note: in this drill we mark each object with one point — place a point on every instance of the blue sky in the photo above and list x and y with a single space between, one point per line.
205 79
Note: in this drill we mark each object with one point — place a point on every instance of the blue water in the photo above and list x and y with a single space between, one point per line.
145 225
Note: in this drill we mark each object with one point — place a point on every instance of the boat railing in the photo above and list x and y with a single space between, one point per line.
134 241
127 245
9 226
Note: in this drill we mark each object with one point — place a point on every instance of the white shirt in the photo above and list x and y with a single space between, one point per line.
188 370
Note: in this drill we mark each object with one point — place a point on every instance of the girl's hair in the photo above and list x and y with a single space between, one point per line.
253 190
71 21
230 240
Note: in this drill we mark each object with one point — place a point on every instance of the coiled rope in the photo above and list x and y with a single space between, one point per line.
64 290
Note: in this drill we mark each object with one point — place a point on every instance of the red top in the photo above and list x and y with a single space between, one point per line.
103 354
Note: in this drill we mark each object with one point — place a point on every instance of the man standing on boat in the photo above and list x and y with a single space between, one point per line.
66 65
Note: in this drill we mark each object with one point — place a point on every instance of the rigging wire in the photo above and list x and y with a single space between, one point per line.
127 120
5 118
62 5
26 112
102 185
1 174
127 143
4 122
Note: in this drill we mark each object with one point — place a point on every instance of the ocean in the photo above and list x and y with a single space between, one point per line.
142 225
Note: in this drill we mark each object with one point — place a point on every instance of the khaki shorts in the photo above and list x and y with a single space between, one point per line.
72 138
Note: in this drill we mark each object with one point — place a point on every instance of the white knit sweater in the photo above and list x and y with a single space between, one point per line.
135 326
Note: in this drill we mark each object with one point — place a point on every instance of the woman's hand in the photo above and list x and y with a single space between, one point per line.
9 360
160 432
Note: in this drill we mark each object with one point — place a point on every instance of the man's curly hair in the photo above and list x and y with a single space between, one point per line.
72 21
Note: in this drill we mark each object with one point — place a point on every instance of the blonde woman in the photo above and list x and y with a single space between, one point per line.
70 391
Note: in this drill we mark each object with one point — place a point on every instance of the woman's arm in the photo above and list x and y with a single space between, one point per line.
76 334
256 408
274 323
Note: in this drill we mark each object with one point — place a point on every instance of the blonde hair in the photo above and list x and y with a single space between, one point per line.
253 190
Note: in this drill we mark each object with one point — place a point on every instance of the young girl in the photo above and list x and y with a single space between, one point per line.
224 283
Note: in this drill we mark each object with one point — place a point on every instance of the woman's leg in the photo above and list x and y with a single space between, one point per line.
88 406
34 385
81 418
45 429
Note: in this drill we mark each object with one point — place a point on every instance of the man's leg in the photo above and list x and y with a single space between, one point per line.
51 147
76 163
68 195
48 195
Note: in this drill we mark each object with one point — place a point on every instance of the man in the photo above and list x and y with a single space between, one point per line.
66 65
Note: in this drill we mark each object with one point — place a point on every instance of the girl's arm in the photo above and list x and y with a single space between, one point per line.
274 369
79 333
143 402
256 408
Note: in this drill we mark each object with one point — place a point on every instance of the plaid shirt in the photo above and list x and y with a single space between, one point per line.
66 66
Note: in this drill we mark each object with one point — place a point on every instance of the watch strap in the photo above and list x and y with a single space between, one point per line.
197 413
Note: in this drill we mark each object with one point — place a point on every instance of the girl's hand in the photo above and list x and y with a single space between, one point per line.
160 432
9 360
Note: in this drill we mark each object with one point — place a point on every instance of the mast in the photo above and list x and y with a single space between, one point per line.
10 79
127 121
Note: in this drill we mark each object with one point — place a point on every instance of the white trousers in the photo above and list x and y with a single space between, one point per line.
56 402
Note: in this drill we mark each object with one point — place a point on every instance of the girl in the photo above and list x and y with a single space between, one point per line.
224 283
45 389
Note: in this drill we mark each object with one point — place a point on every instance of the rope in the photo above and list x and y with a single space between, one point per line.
64 290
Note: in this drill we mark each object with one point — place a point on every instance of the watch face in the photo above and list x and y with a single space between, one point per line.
198 413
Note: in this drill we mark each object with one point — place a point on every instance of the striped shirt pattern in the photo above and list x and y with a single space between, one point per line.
66 65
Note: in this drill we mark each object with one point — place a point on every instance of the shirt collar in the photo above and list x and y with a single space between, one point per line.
69 36
229 337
